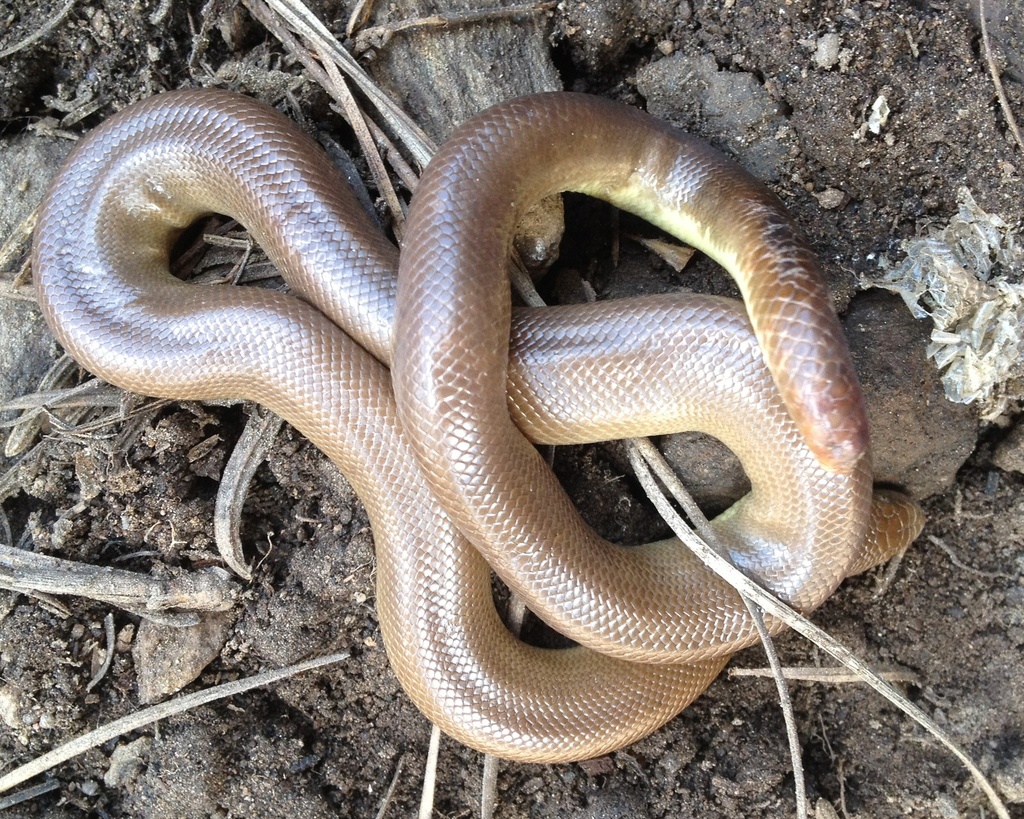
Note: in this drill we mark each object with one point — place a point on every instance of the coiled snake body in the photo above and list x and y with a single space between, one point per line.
445 471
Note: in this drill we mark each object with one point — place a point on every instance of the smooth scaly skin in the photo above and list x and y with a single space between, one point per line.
100 262
451 356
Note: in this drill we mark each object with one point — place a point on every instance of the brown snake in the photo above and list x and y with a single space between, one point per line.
582 373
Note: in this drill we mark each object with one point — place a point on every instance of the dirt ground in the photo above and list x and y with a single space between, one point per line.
763 82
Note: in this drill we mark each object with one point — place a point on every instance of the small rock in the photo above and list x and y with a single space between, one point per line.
600 766
126 762
879 115
945 807
10 706
824 810
89 787
124 638
831 198
919 439
1009 778
1009 453
167 658
826 52
88 471
539 234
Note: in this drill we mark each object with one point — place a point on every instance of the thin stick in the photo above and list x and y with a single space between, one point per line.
956 561
1004 103
40 32
786 704
833 675
370 37
386 801
15 292
203 590
771 604
28 793
108 628
308 26
251 450
430 775
18 241
355 117
147 716
643 448
489 787
93 393
326 75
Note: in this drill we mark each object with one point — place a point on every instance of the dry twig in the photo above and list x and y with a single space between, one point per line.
1004 103
377 37
777 608
834 675
108 657
133 722
28 572
40 32
251 450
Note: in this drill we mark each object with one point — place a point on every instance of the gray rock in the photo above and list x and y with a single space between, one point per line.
27 164
167 659
741 111
1009 453
126 762
610 31
919 439
711 472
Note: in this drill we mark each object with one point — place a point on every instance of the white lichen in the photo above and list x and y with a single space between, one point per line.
956 276
879 115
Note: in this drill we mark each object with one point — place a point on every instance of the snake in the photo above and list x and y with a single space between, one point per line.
414 374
